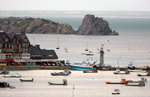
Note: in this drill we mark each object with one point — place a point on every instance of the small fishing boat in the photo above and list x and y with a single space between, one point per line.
24 80
6 85
115 93
141 84
64 83
90 54
4 71
65 73
118 72
90 71
122 82
13 76
86 65
143 75
104 69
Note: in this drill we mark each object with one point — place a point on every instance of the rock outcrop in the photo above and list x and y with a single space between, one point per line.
31 25
95 26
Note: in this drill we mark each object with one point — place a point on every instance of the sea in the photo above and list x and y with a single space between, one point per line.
132 45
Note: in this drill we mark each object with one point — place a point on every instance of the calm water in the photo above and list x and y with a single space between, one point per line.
134 34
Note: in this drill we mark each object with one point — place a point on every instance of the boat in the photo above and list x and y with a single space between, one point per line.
118 72
65 73
143 75
122 82
6 85
131 66
83 66
104 69
64 83
13 76
24 80
115 93
141 84
90 54
90 71
58 44
4 71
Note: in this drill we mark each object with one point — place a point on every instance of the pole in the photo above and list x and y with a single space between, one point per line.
73 91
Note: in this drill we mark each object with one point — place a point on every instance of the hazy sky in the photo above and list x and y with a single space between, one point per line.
102 5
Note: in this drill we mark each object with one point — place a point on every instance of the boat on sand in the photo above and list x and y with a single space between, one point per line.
65 73
25 80
64 83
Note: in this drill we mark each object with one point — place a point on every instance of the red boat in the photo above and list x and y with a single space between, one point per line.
104 69
115 93
122 82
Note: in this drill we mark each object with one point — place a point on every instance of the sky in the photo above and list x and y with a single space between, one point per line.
91 5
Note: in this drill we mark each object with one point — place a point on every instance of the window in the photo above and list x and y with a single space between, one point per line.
23 45
9 45
26 45
9 50
0 45
5 45
26 50
23 50
0 50
6 40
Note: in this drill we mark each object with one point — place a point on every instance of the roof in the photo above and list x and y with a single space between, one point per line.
48 54
45 54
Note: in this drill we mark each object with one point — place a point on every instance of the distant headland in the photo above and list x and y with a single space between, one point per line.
90 26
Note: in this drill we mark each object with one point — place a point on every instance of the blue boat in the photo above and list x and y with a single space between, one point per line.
81 67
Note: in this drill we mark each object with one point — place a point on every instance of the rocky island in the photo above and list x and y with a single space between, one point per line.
92 25
35 26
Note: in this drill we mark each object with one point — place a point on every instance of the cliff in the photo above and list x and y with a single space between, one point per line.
92 25
31 25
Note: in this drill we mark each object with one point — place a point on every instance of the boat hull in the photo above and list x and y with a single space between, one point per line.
115 83
104 69
115 93
75 67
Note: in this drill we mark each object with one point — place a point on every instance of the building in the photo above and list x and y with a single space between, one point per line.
14 46
41 56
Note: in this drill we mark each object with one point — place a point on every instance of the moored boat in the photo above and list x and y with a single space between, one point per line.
6 85
80 67
90 71
13 76
4 71
24 80
115 93
104 69
64 83
122 82
65 73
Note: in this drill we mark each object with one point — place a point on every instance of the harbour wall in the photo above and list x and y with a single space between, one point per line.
35 67
47 68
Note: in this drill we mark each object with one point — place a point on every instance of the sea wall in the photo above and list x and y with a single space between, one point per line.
35 67
48 68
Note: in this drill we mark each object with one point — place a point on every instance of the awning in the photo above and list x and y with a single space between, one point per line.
19 60
46 60
9 60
